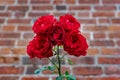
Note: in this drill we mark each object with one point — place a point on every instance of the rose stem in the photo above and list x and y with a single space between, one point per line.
53 63
59 61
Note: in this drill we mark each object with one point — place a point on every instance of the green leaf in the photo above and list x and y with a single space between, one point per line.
37 71
40 70
51 68
59 78
70 62
66 73
44 68
71 77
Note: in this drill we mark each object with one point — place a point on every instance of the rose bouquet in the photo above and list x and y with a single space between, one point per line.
50 35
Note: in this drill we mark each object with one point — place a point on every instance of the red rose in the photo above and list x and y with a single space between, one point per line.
42 24
56 34
39 47
75 44
69 22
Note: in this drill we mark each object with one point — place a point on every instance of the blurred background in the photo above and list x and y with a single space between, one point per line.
100 23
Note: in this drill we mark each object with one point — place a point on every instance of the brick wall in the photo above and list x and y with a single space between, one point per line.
100 20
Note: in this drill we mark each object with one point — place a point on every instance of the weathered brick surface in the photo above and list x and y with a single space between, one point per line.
11 70
112 70
9 78
34 78
82 60
10 35
105 7
107 60
100 24
8 28
7 1
7 42
9 60
87 70
110 51
88 1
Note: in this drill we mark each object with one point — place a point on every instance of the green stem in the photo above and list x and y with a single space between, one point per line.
59 61
63 56
53 63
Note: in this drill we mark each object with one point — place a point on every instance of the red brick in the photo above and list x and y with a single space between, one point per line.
48 7
105 7
92 51
96 28
18 8
114 35
22 42
112 70
22 1
36 61
70 1
62 13
7 1
118 42
111 78
104 21
7 42
5 51
11 70
58 1
10 35
9 60
19 14
111 1
88 1
34 78
99 35
87 70
103 14
82 60
118 14
116 21
19 21
1 60
60 7
18 51
114 28
85 60
102 43
110 51
28 35
109 60
8 28
24 28
83 14
40 1
5 14
2 21
2 7
99 78
9 78
79 7
87 21
37 14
